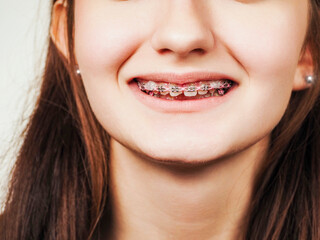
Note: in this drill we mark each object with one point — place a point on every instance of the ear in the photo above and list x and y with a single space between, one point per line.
58 29
305 67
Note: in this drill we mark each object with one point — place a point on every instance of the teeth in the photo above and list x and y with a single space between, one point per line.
202 92
213 93
189 90
174 94
174 90
216 84
150 86
162 88
141 86
204 86
202 89
190 94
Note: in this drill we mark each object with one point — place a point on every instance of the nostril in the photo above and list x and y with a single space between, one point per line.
164 50
198 50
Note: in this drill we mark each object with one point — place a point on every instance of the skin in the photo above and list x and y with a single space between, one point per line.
186 175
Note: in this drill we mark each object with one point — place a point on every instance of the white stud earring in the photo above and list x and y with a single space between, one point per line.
309 79
78 72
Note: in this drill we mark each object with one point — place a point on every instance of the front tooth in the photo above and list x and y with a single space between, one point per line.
190 90
174 90
190 94
162 88
174 94
200 92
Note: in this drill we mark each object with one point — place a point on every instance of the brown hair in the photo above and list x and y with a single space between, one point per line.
59 184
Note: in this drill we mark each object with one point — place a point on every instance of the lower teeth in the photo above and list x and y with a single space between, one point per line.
211 93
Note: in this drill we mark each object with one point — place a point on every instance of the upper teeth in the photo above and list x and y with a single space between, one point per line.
150 85
174 88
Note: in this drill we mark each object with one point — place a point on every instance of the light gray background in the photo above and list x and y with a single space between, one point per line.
23 37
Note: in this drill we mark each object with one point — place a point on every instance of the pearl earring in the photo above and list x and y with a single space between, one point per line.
309 79
78 71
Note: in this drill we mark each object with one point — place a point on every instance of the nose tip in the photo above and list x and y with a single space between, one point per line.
182 46
182 34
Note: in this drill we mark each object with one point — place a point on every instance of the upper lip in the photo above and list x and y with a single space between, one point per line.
184 77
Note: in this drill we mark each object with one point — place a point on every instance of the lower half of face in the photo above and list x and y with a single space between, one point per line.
118 42
240 118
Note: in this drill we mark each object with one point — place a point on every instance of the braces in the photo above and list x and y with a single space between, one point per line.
191 87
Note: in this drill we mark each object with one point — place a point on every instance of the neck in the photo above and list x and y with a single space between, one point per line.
159 201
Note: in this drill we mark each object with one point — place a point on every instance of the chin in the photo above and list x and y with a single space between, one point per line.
197 154
180 155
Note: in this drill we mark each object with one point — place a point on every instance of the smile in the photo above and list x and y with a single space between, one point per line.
183 93
187 91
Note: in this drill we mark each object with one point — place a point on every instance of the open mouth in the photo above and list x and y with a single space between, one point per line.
187 91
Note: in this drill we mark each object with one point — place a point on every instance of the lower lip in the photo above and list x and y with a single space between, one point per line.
180 106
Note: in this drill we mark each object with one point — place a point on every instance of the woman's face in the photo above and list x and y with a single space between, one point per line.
254 43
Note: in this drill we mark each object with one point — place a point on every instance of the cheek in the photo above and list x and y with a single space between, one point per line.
104 38
267 41
103 46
